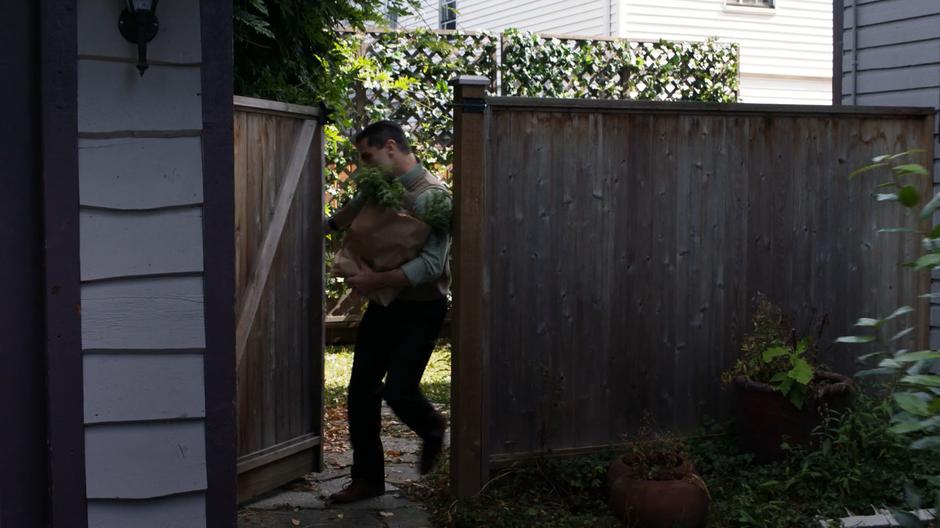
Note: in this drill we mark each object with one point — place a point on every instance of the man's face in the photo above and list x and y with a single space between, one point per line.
380 157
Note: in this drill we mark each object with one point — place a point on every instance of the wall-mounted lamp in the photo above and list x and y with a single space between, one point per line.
139 24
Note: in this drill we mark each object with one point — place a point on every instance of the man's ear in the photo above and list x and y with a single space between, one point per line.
391 146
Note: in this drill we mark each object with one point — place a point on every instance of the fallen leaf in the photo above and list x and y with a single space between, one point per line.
386 514
295 522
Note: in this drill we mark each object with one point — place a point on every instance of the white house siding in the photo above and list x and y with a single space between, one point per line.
786 52
578 17
143 333
891 57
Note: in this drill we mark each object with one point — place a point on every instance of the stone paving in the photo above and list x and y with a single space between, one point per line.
303 503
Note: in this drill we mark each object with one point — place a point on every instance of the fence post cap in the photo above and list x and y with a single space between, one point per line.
470 80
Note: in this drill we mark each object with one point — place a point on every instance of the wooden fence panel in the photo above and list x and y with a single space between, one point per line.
626 242
279 292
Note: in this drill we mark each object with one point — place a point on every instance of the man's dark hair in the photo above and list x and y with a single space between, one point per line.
378 133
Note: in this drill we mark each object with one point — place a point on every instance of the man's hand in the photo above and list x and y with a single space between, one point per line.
366 281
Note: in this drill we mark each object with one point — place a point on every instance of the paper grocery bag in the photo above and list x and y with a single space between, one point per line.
383 239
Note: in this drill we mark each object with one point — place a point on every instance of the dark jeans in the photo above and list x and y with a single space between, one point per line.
396 340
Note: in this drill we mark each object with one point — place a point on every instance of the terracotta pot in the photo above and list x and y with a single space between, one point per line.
679 503
765 418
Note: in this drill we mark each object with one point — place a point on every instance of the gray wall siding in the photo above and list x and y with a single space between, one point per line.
891 57
112 96
142 461
157 313
141 228
177 42
116 244
184 511
147 173
143 386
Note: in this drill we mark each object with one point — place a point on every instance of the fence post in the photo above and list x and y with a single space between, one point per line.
470 323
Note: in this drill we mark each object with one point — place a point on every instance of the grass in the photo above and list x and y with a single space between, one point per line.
435 384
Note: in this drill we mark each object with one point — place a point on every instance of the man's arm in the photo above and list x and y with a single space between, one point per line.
429 265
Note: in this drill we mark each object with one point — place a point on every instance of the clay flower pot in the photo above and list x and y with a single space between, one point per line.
677 499
765 418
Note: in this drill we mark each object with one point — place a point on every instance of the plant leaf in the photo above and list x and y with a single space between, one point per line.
875 372
926 380
774 352
899 230
889 363
878 163
911 403
917 356
899 312
886 197
869 322
797 397
906 427
929 209
802 371
855 339
902 333
911 168
926 443
927 261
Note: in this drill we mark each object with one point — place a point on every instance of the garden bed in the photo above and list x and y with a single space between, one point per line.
859 467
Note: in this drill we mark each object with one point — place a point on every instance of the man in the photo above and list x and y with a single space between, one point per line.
395 340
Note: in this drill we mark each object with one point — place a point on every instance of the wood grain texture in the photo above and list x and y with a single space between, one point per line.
625 249
283 199
181 511
144 313
470 290
114 97
134 243
133 173
128 387
280 377
142 461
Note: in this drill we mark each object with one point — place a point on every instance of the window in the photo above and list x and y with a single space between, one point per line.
392 14
448 14
751 3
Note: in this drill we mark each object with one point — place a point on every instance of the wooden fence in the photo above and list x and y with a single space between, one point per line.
618 245
279 292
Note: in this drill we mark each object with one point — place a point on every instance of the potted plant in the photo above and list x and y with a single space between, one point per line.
781 390
654 485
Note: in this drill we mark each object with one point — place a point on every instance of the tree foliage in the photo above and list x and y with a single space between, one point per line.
286 50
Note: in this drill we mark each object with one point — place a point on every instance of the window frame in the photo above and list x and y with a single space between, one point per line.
447 14
751 4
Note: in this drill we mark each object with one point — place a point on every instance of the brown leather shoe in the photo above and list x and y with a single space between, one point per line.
357 490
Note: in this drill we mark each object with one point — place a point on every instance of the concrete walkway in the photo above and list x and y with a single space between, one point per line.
302 503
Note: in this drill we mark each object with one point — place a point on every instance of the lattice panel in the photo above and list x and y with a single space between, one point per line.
536 66
422 64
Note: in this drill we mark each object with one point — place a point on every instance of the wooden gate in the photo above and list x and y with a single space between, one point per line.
279 292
